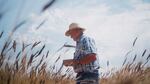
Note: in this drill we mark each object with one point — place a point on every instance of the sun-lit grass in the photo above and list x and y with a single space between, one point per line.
135 74
22 71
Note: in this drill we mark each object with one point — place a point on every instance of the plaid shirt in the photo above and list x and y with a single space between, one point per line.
85 45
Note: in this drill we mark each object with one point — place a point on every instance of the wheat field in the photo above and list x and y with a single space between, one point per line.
22 71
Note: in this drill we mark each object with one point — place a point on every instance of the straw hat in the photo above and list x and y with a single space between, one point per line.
73 26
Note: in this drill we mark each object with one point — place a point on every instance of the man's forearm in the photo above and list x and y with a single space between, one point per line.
86 60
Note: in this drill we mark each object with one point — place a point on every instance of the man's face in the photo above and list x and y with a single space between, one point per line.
74 34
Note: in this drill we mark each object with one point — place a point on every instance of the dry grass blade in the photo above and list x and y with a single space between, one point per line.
9 49
69 46
64 75
48 5
138 66
41 24
27 45
35 44
8 42
14 46
39 63
1 34
4 47
128 53
19 25
16 64
30 60
134 58
124 62
144 53
6 67
23 61
134 41
145 63
60 68
107 63
41 50
23 46
67 70
53 67
60 49
18 55
148 57
47 53
66 51
36 54
57 59
9 57
41 59
43 66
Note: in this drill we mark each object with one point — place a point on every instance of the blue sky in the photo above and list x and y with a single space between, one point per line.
114 24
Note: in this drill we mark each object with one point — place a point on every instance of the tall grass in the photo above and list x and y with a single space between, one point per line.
130 73
23 70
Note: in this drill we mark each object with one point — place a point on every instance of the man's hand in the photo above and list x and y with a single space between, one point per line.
86 60
69 62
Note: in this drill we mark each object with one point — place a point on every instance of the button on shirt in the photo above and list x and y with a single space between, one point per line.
85 45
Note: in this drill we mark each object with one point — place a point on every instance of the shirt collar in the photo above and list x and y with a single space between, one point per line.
80 37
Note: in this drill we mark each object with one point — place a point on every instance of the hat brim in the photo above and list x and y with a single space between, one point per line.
68 32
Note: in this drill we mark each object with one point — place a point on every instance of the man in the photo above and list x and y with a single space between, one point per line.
85 61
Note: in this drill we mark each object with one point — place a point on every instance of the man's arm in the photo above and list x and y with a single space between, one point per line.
85 60
89 50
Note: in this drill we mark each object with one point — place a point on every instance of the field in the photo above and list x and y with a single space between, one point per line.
22 71
24 63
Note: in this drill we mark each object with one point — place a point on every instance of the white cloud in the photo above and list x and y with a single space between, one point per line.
114 33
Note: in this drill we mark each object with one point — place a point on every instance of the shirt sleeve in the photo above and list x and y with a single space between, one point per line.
88 46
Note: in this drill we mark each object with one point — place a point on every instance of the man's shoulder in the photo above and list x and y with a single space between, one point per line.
86 37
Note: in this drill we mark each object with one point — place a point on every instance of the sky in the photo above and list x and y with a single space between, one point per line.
114 24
